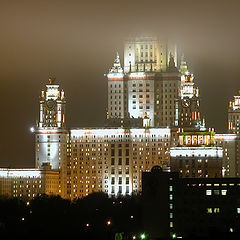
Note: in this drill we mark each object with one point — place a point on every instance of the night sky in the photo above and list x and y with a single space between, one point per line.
76 41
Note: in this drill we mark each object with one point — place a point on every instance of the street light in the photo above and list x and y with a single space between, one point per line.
143 236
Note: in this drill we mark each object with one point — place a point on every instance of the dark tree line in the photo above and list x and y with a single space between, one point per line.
95 216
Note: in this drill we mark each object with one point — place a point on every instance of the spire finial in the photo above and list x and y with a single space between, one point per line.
171 61
116 68
51 80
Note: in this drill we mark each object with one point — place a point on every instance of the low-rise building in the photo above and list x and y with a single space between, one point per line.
30 182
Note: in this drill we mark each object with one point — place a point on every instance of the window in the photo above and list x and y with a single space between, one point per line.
170 188
216 192
120 161
216 210
119 152
224 192
112 152
170 197
209 210
238 210
208 192
112 161
113 180
120 180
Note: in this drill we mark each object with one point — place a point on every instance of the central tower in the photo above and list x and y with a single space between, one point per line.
51 134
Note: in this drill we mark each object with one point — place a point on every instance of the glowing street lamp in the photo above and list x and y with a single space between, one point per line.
143 236
109 222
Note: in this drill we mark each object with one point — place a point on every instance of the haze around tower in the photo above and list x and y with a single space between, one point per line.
76 43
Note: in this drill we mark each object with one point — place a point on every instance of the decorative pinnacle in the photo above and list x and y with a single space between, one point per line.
51 80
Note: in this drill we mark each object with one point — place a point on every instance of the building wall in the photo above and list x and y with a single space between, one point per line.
196 161
231 153
112 160
147 54
234 115
116 99
189 207
29 183
141 95
50 147
167 87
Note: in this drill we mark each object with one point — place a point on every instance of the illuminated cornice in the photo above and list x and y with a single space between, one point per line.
196 152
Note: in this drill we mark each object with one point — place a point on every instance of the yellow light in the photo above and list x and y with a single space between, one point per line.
108 222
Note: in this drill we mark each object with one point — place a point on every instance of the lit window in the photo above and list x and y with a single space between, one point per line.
171 224
170 197
170 188
216 210
238 210
208 192
224 192
209 210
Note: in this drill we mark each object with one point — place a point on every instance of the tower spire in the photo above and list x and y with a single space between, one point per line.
171 64
183 66
116 68
51 80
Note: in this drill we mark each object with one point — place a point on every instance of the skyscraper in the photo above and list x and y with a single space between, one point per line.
152 84
148 85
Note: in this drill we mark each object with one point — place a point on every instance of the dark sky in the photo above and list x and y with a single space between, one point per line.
76 41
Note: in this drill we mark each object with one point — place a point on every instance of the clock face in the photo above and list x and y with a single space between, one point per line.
50 105
186 102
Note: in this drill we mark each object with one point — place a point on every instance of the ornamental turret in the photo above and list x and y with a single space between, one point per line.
50 133
52 106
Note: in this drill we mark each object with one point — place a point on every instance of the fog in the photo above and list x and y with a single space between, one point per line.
76 41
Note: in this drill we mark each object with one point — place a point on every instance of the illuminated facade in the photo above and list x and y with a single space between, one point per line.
188 104
51 134
100 159
234 115
112 159
28 183
116 96
149 84
231 153
147 54
196 155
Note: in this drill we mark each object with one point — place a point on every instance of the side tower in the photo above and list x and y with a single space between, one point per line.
116 91
188 104
51 133
234 115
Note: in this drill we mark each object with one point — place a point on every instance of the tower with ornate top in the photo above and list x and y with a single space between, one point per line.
51 133
234 115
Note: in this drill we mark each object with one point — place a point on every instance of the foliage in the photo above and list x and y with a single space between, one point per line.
95 216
